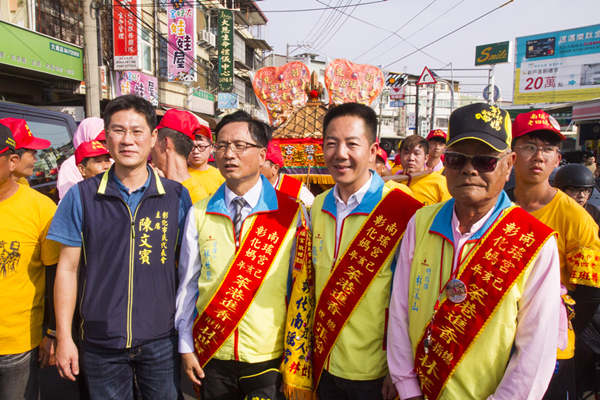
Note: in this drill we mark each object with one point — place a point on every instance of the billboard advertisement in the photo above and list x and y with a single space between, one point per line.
225 50
126 30
182 41
140 84
558 67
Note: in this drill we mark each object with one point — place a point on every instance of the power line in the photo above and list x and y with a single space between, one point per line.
340 27
339 15
329 19
448 34
397 30
319 9
315 25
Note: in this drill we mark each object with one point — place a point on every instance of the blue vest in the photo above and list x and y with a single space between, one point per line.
128 277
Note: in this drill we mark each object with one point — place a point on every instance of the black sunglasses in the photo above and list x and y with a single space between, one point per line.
480 163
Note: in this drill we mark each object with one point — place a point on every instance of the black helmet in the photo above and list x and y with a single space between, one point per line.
573 175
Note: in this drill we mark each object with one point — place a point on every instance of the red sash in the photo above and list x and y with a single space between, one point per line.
503 255
245 276
351 277
290 186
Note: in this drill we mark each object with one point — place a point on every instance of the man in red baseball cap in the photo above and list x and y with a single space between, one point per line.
27 146
174 143
272 169
91 159
199 158
437 145
536 136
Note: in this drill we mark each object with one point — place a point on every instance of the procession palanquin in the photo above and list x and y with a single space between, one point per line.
292 98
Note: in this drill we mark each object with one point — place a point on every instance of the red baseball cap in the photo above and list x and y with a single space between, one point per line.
101 135
23 136
184 122
437 133
381 153
89 149
536 120
274 154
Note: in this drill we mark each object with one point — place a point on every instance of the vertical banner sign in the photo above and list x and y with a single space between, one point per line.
225 50
181 21
142 85
126 31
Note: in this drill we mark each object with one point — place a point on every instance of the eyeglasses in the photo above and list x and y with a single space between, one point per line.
480 163
236 147
579 191
200 147
527 150
119 133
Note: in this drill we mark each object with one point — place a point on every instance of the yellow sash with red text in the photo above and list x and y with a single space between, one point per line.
245 276
351 277
507 249
289 185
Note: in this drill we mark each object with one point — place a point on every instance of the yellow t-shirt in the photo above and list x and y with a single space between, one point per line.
196 188
23 181
430 189
24 250
211 178
398 185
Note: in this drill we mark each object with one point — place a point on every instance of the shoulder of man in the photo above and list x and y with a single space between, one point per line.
38 199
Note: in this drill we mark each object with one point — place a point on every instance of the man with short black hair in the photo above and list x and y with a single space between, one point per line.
174 143
126 221
353 267
236 263
429 188
26 256
536 136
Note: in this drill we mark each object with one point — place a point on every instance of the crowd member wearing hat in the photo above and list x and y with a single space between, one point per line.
126 221
381 167
474 310
536 136
89 129
272 169
234 270
174 143
198 161
26 256
353 267
436 141
92 158
430 188
27 146
578 183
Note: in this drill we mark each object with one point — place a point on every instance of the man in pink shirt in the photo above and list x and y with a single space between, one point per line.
475 304
436 140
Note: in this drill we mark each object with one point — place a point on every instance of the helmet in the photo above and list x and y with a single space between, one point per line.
573 175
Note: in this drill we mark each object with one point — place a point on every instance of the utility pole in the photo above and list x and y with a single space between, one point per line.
432 125
417 112
92 70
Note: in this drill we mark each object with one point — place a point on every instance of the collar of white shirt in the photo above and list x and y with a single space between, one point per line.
252 196
355 199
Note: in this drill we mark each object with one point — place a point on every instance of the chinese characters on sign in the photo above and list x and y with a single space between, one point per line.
201 101
142 85
125 35
558 66
225 50
182 41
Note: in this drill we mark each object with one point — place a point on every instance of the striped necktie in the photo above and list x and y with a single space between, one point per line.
238 203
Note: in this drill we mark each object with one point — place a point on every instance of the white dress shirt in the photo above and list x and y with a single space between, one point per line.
531 366
344 209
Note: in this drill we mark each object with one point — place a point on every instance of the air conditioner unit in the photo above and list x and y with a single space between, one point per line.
206 39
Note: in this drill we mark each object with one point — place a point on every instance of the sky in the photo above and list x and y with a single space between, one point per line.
335 35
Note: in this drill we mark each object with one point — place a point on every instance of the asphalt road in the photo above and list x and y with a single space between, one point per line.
53 387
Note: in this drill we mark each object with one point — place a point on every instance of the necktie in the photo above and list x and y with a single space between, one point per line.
238 203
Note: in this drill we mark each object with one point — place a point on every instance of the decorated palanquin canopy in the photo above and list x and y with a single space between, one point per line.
291 98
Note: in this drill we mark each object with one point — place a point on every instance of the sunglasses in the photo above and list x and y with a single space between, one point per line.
480 163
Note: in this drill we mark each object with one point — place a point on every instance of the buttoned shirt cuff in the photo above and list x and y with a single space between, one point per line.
407 388
186 343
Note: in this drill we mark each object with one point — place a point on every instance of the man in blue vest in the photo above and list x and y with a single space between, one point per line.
119 234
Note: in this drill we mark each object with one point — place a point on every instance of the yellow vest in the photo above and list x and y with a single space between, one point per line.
260 334
359 352
479 373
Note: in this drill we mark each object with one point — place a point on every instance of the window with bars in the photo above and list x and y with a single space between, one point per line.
61 19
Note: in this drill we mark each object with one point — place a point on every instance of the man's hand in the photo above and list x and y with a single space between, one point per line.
67 359
46 352
191 366
389 391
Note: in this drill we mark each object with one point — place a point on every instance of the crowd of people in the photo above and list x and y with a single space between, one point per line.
420 280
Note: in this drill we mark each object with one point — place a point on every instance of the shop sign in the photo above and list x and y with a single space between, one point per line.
138 83
181 23
201 101
495 53
126 30
225 50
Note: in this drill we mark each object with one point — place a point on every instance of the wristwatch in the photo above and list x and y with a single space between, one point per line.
51 333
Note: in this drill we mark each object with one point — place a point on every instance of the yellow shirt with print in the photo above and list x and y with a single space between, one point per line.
194 185
578 247
429 189
211 178
24 251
